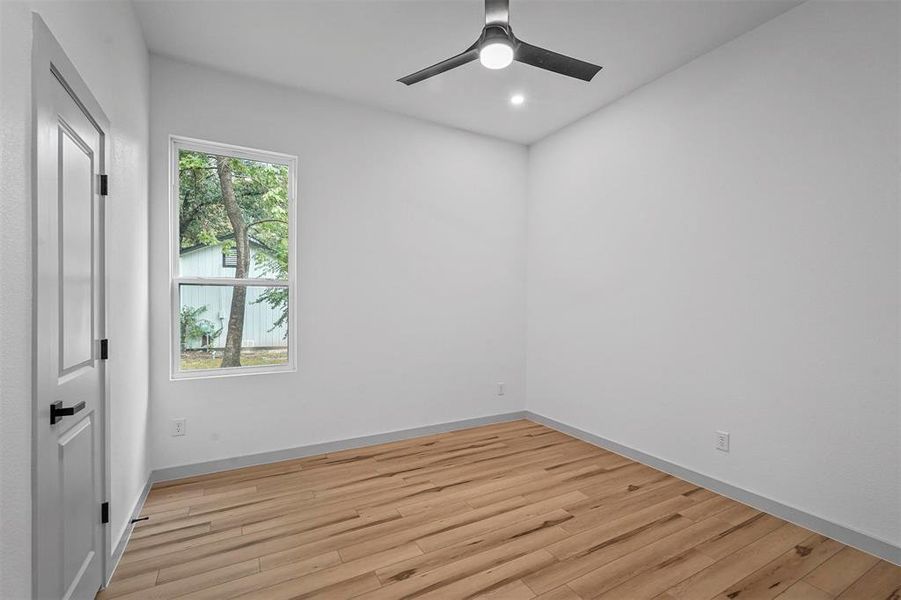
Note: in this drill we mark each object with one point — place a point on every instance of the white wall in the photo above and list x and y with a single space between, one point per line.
104 42
719 250
411 271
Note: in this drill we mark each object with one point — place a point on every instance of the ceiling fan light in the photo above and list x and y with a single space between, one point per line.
496 55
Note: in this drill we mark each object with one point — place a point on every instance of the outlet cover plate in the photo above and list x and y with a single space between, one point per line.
722 441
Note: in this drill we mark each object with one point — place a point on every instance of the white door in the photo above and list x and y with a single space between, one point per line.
69 414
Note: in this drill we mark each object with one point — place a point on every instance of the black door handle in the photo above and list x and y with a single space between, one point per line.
57 412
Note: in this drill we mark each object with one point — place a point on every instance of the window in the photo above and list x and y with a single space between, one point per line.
233 259
230 258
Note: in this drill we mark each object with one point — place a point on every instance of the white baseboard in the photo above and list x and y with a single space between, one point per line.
225 464
862 541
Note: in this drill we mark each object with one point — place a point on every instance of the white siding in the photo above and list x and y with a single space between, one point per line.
207 262
258 318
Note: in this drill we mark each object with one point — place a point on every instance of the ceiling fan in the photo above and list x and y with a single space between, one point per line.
497 47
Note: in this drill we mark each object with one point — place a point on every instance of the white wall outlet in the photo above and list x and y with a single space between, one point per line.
722 441
178 427
500 388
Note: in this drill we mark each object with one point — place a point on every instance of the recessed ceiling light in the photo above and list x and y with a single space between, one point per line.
517 99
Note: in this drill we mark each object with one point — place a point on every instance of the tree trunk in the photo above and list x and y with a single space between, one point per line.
232 355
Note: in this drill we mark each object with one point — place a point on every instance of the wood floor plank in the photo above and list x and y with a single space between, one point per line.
349 588
739 514
300 516
603 513
196 582
586 479
426 581
804 591
882 582
839 572
620 491
700 494
604 552
121 586
659 577
165 494
615 529
783 572
509 511
263 578
547 525
308 583
492 578
200 502
449 537
503 466
740 535
429 499
735 567
646 559
709 508
217 553
564 592
428 525
270 541
167 537
133 555
515 590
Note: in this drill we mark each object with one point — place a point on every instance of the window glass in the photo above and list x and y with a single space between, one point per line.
204 318
232 217
232 277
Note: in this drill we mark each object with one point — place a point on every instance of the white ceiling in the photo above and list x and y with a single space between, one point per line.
356 49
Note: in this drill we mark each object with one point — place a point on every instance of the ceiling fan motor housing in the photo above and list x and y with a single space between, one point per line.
493 34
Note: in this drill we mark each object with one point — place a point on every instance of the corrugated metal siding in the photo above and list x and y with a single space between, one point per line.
258 318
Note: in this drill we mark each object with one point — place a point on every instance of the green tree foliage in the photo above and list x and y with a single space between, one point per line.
193 327
261 192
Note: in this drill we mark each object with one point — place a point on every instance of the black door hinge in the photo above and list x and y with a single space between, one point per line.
104 185
104 512
104 349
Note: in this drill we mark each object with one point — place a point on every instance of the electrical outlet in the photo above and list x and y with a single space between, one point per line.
500 388
722 441
178 427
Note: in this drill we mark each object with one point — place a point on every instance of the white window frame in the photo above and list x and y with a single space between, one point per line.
176 144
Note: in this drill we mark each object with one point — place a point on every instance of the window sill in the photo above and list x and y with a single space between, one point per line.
230 372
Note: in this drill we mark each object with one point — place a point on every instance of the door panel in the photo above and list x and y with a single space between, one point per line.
76 171
71 542
76 457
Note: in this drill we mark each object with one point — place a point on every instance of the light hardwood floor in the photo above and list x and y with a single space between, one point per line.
508 511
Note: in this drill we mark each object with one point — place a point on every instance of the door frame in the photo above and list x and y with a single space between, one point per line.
49 59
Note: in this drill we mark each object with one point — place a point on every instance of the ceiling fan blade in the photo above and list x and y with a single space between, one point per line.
468 55
497 12
552 61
